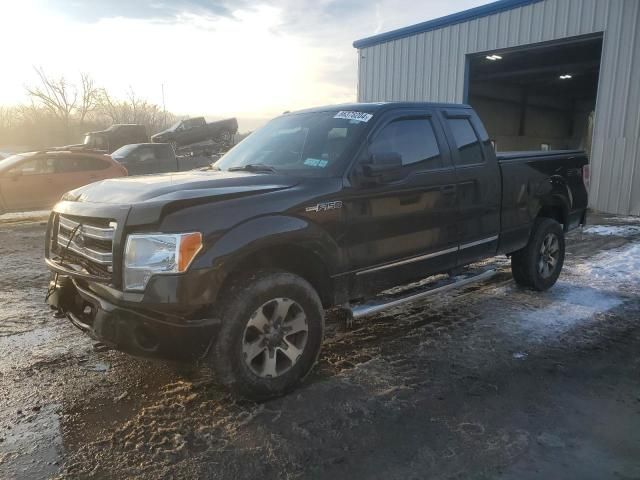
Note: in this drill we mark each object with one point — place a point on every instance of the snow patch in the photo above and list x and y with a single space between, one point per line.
621 266
570 305
613 230
624 219
24 216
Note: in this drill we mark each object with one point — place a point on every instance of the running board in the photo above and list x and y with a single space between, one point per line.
373 306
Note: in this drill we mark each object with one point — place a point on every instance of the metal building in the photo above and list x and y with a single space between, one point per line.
543 74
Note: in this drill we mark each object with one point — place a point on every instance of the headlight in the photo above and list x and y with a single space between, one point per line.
151 254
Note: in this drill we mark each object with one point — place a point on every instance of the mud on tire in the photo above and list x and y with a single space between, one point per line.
271 334
538 265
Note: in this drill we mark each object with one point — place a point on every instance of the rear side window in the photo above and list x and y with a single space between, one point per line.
35 166
414 139
466 140
79 164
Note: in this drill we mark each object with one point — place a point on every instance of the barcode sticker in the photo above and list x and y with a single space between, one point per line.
357 116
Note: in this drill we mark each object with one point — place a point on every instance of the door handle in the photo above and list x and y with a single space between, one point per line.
449 189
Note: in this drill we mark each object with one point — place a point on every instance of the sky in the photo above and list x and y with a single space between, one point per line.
247 58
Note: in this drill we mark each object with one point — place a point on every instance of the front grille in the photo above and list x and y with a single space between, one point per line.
85 244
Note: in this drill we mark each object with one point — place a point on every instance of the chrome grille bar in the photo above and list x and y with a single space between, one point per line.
89 231
103 258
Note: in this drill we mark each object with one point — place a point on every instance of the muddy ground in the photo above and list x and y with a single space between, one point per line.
486 382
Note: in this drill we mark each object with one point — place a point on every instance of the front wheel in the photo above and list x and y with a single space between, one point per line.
538 265
271 333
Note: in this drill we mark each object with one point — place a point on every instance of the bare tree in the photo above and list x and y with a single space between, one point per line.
90 97
56 95
133 110
60 111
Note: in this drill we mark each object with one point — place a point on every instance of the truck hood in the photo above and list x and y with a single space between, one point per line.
169 187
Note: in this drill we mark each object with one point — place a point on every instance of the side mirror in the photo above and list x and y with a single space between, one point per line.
383 167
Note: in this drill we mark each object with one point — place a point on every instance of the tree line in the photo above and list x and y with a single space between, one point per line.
60 111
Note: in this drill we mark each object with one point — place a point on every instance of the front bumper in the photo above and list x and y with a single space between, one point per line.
135 331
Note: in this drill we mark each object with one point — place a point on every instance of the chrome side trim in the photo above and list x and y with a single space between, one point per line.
478 242
408 260
429 255
359 311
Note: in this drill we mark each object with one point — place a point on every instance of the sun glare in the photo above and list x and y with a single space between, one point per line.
211 66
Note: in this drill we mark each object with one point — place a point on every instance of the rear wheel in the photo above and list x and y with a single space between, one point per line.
538 265
271 333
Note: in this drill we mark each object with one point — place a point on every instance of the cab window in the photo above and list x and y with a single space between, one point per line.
467 142
414 139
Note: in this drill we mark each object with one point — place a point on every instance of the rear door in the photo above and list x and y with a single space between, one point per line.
73 171
478 185
404 229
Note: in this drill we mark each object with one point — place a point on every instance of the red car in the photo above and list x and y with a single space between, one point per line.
37 180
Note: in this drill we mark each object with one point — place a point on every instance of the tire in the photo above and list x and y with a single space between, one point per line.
262 349
538 265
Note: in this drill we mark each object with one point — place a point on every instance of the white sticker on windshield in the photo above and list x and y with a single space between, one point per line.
358 116
316 162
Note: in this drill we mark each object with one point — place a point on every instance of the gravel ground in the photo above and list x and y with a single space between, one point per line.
486 382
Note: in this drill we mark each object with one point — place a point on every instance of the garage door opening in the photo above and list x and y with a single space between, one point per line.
541 97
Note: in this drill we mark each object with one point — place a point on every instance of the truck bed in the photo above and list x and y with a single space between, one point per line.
528 176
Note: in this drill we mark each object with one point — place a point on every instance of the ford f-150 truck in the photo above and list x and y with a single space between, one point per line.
322 208
194 130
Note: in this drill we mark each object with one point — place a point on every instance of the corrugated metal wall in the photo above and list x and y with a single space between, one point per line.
431 66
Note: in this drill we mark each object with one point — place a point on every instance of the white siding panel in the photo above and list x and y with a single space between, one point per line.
430 66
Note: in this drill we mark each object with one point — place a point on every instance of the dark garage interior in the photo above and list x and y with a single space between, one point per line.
541 97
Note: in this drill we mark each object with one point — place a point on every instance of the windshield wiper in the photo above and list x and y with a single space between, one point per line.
253 167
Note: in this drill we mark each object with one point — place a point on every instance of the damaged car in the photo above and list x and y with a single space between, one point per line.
330 207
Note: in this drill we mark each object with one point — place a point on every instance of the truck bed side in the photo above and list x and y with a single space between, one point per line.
550 183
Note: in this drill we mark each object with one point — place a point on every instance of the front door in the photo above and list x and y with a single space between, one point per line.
404 229
28 185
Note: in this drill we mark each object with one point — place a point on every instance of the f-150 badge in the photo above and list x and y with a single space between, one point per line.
323 207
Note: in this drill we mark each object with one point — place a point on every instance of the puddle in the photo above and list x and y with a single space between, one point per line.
32 446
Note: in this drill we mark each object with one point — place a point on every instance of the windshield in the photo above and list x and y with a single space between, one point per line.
309 144
8 162
95 140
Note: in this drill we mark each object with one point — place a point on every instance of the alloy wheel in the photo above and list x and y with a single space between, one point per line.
549 255
275 337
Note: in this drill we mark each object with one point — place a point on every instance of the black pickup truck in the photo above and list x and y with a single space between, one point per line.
146 158
323 208
195 130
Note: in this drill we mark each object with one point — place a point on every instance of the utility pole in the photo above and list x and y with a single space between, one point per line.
164 109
